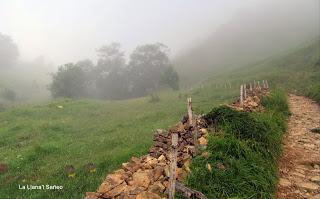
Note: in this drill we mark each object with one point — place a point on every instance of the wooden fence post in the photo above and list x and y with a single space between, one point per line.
189 108
267 84
229 84
193 125
245 91
259 85
173 165
250 86
263 84
241 95
254 84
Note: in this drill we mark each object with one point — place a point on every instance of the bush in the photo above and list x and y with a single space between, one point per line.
9 94
69 81
154 98
2 108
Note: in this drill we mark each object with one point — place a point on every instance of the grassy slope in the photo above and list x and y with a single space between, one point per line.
38 141
297 71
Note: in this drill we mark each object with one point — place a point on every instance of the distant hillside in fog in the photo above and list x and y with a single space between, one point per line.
252 35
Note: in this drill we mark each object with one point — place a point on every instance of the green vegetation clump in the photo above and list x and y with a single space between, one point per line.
244 156
313 91
239 124
154 98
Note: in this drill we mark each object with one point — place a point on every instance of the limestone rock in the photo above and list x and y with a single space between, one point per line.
157 188
315 179
162 158
202 141
284 182
157 172
92 195
111 181
203 130
115 191
308 186
316 196
136 190
151 161
141 179
104 187
147 195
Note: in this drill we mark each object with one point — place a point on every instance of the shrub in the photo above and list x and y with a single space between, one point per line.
154 98
9 94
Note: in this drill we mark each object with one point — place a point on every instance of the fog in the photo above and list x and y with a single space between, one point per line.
201 35
64 31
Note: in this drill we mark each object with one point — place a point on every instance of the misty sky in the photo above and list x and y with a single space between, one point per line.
65 31
70 30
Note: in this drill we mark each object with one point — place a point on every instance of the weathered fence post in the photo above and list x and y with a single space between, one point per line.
250 86
259 85
267 84
245 91
229 84
263 84
193 125
189 108
254 84
241 95
173 165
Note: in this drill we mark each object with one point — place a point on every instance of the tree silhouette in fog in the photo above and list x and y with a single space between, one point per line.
149 69
8 51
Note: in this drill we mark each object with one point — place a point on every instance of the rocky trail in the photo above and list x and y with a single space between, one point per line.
299 166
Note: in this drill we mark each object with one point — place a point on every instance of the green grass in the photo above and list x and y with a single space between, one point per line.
248 145
38 141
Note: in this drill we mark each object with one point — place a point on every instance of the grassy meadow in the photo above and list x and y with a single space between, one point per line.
38 141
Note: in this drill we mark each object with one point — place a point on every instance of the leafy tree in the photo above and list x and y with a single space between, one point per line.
148 67
70 81
171 78
8 51
110 72
86 65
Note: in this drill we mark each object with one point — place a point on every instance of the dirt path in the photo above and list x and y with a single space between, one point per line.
299 168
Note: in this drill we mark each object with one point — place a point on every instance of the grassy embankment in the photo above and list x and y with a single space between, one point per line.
243 151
